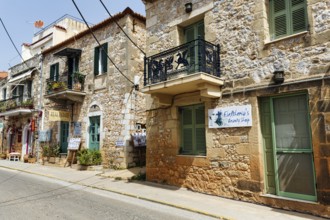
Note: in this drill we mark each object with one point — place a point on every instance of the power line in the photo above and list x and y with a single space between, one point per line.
106 52
12 42
122 29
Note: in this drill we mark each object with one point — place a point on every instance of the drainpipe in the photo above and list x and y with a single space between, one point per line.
40 106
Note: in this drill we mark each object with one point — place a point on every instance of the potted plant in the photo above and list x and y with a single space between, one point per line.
54 151
31 158
45 153
88 157
84 159
3 156
78 79
27 103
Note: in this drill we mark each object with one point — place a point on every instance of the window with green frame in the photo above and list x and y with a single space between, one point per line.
100 59
192 120
287 17
54 72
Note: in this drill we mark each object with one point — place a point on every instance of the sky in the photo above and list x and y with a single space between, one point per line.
19 17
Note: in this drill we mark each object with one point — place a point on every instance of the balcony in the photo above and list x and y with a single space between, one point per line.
66 88
194 66
17 105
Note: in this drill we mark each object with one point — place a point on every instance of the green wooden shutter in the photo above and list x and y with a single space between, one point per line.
279 18
104 58
57 71
76 64
96 61
187 130
266 130
52 72
299 16
200 130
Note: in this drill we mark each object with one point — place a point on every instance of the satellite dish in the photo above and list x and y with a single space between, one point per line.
39 24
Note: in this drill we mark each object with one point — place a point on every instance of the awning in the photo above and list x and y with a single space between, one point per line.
23 76
68 52
16 112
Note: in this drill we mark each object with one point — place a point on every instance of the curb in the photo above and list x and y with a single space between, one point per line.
123 193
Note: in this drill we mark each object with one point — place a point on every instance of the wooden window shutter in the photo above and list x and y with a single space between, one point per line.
187 130
52 72
279 18
299 16
57 74
200 130
104 58
96 61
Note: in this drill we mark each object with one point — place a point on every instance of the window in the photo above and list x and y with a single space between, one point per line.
193 130
100 59
29 88
54 72
287 17
18 92
4 93
287 147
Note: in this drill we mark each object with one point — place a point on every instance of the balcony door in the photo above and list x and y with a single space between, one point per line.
73 63
191 34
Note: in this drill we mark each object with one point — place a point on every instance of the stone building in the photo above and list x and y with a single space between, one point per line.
240 98
20 105
89 96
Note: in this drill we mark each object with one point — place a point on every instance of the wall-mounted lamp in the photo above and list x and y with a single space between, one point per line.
278 77
188 7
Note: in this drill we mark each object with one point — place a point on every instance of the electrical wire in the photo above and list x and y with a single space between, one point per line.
13 42
122 29
106 52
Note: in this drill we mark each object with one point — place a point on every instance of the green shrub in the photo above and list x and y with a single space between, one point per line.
89 157
54 150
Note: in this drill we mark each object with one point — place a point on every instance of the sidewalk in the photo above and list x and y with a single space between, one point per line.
176 197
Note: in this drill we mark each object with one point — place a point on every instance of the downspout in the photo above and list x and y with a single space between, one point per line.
40 106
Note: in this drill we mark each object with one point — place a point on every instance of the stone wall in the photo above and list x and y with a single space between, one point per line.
120 106
234 164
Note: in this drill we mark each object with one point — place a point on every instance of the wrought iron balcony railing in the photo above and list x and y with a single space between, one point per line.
195 56
15 102
65 83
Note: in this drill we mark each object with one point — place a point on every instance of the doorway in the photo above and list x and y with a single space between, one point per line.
288 149
64 134
94 132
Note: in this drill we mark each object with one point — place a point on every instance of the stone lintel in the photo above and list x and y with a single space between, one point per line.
163 99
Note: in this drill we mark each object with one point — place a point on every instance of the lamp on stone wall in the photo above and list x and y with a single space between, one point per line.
188 7
278 76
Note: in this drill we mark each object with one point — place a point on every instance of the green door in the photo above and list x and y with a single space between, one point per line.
64 134
290 161
94 132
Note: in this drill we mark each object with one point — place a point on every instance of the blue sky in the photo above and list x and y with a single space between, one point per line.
19 17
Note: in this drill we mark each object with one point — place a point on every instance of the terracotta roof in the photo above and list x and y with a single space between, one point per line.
3 74
102 24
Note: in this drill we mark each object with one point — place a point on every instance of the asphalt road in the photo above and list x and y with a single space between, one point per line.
27 196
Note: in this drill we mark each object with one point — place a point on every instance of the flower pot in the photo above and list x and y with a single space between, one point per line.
32 160
82 167
25 158
51 159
